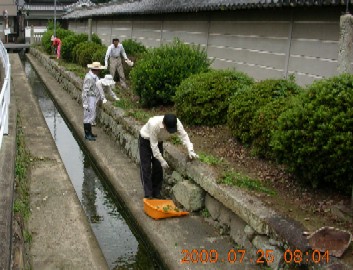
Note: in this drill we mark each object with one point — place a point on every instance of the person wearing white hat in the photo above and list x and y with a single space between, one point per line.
106 83
90 92
114 53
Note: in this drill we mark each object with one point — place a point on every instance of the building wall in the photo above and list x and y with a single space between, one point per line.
265 43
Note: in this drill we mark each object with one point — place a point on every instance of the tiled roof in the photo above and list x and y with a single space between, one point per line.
172 6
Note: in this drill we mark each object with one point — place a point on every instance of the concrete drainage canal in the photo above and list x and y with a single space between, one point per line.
121 244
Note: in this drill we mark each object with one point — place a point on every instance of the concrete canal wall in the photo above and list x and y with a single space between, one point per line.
235 213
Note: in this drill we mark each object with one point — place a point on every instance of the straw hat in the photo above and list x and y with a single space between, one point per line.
52 38
108 80
96 65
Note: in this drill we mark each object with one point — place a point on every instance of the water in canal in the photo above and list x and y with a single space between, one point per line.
122 248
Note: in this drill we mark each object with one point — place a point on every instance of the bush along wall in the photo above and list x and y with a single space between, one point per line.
88 52
69 42
314 137
156 76
203 99
247 101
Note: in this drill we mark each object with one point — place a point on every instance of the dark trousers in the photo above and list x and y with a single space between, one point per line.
150 168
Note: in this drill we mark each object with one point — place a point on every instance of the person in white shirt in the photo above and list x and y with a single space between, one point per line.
152 135
113 54
90 92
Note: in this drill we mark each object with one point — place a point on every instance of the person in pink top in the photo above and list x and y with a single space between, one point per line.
57 44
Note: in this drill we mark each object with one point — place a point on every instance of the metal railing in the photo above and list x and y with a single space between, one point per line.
5 93
34 35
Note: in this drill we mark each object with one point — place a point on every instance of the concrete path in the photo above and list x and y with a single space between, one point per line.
174 239
61 235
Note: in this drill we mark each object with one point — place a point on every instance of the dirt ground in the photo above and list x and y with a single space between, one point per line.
314 208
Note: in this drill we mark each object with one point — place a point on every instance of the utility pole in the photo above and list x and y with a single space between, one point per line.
54 18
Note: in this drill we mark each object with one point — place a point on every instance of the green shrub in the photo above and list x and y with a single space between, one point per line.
60 33
263 124
156 76
69 42
99 55
50 25
96 39
203 99
247 101
314 137
87 52
133 48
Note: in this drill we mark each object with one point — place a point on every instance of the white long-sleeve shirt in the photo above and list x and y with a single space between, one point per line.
113 51
154 131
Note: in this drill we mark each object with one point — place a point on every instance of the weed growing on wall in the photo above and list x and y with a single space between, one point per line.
23 159
237 179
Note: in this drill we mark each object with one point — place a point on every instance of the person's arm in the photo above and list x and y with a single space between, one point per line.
154 144
107 54
122 51
111 92
185 138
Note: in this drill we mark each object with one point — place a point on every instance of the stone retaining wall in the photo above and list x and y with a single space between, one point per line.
193 184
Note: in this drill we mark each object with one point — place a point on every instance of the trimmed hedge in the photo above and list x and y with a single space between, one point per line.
246 102
263 124
203 99
156 76
314 137
133 47
85 53
69 42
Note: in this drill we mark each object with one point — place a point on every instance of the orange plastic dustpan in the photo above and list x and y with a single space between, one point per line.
158 209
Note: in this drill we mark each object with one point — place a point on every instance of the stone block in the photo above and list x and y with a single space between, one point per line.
212 206
224 215
238 233
189 195
176 177
250 232
262 243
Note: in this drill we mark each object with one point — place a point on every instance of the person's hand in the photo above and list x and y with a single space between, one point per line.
192 154
104 100
164 164
129 62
